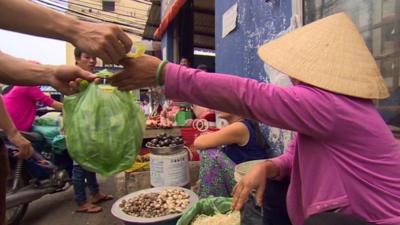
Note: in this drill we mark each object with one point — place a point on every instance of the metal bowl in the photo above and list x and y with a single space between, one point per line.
165 150
117 211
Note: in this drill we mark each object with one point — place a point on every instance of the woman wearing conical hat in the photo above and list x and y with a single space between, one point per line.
344 158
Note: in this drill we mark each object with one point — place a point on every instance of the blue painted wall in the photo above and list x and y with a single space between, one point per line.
258 22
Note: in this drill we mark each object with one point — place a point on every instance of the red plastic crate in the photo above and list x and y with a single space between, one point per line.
189 135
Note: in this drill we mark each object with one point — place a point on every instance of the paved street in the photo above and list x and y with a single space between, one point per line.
58 209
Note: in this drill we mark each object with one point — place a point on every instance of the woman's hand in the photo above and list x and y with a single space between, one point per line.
24 146
138 72
255 179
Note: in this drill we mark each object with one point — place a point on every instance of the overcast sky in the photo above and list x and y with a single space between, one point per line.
46 51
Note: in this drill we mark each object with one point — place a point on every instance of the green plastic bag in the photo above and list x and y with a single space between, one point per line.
58 144
104 128
207 206
45 121
48 132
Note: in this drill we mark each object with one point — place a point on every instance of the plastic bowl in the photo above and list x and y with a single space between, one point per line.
243 168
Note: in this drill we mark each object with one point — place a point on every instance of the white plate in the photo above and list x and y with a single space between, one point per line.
117 211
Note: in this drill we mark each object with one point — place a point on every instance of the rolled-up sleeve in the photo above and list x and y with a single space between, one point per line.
300 108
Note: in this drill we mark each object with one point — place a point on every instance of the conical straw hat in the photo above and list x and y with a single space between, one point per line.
330 54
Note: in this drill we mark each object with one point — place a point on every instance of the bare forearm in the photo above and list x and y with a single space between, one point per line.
235 133
214 140
202 142
57 105
20 72
5 121
271 168
27 17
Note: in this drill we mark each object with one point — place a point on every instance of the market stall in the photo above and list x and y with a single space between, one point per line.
167 120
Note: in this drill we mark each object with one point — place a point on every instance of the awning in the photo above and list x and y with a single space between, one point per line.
203 19
169 16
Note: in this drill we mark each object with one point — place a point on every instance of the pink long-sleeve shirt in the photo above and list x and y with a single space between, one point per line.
344 155
21 102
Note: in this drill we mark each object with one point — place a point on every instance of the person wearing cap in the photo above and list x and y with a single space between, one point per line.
344 158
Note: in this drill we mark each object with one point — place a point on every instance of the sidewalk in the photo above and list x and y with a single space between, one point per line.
60 208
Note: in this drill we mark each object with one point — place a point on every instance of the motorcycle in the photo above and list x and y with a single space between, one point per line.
31 179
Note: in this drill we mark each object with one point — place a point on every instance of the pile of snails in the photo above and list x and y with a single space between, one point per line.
156 204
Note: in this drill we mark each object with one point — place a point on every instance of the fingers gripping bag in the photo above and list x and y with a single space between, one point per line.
104 127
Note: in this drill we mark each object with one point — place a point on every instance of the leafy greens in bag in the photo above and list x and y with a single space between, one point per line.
104 128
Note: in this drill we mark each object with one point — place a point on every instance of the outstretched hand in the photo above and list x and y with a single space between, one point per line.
137 73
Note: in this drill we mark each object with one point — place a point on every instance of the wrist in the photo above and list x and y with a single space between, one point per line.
160 74
271 168
48 74
11 133
70 30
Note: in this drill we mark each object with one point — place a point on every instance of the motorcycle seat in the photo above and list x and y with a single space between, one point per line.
31 136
